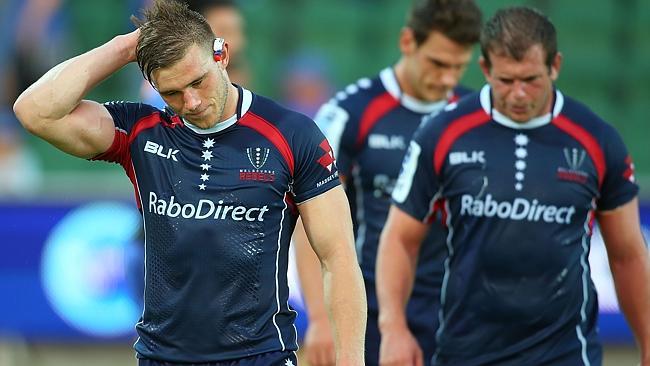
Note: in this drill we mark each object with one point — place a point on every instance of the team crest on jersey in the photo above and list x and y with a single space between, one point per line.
257 156
574 159
629 172
327 160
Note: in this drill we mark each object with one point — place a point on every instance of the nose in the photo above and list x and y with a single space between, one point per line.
450 78
518 89
191 100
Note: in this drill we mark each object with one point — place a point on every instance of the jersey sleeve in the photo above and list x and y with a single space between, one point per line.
337 123
125 116
315 166
418 182
619 186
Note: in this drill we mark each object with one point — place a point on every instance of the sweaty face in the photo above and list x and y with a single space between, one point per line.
522 90
435 67
194 87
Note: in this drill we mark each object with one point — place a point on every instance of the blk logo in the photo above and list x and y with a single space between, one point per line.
463 157
327 160
156 149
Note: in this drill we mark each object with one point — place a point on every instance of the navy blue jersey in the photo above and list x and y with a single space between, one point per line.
369 125
519 204
219 208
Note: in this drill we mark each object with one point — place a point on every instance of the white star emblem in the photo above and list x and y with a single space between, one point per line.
207 155
288 362
521 139
208 143
206 166
520 165
205 177
519 176
521 153
202 187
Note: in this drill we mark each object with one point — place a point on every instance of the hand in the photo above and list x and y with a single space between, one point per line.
399 348
319 344
129 42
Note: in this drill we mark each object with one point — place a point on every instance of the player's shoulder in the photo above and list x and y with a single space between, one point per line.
287 122
357 95
126 113
578 113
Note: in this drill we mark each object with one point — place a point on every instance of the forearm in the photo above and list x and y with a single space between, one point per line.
631 276
310 274
345 296
394 281
60 90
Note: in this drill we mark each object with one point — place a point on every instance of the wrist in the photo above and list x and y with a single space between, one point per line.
386 321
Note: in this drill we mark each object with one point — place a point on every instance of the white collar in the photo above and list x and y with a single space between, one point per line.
505 121
246 104
389 80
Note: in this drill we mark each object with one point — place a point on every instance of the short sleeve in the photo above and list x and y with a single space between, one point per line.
619 186
337 124
315 166
125 116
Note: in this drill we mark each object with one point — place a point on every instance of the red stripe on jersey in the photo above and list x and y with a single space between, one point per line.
291 204
266 129
120 153
143 124
377 108
439 205
587 140
455 130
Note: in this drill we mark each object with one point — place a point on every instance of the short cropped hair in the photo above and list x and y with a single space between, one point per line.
201 6
167 30
514 30
458 20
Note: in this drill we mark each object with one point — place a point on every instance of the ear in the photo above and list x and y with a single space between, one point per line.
221 53
556 65
485 68
407 43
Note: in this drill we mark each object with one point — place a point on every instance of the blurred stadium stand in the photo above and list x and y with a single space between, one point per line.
606 47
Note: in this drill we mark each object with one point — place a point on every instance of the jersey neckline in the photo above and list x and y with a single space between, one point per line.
498 117
243 105
389 80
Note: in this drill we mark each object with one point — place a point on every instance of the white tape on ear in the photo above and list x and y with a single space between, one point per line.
217 47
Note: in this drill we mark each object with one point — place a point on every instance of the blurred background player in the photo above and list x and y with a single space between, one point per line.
523 170
369 125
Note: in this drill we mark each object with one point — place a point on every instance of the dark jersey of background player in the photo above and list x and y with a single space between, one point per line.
508 298
369 125
217 239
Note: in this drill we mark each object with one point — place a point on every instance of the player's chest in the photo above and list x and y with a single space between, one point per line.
384 145
510 164
179 161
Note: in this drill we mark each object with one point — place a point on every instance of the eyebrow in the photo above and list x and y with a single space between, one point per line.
189 84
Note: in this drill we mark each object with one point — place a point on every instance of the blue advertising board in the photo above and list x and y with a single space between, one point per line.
69 271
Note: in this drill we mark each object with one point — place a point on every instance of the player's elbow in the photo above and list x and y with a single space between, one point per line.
28 114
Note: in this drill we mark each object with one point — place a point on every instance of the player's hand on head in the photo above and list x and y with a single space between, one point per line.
129 44
319 344
399 348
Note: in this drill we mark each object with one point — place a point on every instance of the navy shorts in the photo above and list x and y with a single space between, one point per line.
287 358
422 317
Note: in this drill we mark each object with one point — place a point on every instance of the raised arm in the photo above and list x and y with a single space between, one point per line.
53 107
630 266
395 273
328 225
